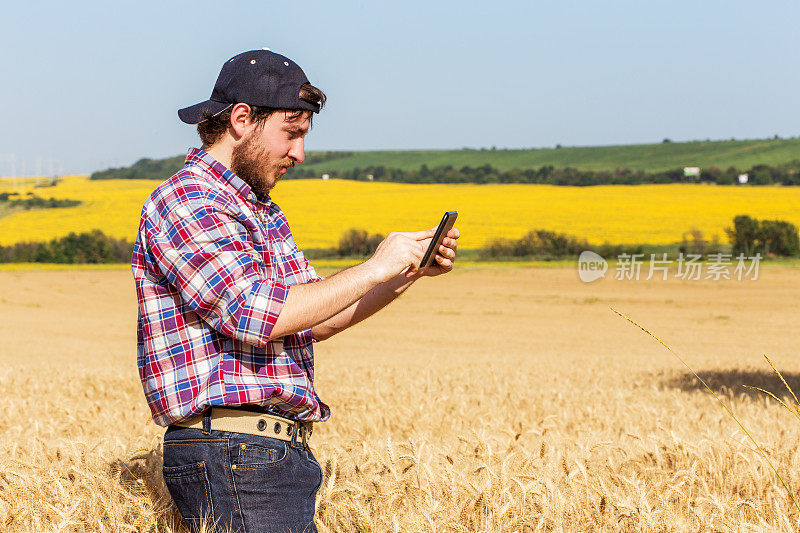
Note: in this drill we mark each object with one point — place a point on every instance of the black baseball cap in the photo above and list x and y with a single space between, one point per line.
259 78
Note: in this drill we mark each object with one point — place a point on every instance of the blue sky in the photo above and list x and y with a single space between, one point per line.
90 85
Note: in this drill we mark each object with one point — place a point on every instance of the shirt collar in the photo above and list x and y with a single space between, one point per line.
203 159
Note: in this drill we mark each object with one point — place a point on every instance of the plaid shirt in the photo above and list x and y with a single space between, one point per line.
212 263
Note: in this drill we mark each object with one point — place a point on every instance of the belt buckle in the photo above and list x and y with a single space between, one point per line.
302 433
297 431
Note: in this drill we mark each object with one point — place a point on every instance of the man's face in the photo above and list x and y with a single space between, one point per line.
266 152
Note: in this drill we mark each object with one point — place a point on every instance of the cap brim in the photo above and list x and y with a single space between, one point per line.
199 112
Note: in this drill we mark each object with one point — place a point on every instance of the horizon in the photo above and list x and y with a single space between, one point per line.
463 148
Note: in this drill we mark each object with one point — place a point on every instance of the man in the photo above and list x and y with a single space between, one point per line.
229 307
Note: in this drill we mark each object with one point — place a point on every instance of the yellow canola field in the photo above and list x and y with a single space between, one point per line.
319 211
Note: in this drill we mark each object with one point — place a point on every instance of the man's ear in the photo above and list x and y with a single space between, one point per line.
240 119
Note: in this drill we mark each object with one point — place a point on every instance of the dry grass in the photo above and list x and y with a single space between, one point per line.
488 400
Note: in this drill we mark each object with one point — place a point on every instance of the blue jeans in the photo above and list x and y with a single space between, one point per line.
247 483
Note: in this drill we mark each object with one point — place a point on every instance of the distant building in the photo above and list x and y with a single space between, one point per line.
691 172
743 178
325 177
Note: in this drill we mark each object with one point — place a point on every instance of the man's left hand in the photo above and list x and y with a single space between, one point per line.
445 255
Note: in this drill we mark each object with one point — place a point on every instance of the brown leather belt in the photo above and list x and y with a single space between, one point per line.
253 423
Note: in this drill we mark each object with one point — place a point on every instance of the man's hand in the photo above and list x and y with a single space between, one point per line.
445 255
399 252
392 269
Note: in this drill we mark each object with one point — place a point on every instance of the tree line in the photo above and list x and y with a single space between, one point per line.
144 168
785 174
748 236
770 238
35 202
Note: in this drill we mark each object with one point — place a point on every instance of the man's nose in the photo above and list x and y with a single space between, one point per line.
297 151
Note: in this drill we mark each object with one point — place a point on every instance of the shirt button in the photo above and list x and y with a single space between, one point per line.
251 197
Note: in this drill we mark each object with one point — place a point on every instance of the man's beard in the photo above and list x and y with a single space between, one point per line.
252 164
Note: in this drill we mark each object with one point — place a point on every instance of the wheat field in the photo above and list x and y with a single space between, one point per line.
490 399
320 211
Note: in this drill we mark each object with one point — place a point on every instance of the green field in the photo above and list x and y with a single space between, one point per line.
647 157
650 157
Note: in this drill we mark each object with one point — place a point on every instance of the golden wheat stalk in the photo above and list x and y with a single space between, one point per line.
730 412
796 410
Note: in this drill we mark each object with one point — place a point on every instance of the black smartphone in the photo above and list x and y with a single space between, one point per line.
445 225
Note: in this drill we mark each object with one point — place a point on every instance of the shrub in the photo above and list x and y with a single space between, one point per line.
357 242
768 237
92 247
537 243
778 237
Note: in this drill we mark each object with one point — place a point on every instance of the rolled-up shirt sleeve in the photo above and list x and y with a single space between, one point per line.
207 254
311 277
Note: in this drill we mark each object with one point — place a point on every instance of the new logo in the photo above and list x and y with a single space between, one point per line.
591 266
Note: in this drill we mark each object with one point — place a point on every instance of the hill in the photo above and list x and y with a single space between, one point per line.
643 157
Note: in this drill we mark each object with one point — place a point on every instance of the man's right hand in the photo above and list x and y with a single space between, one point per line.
398 252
